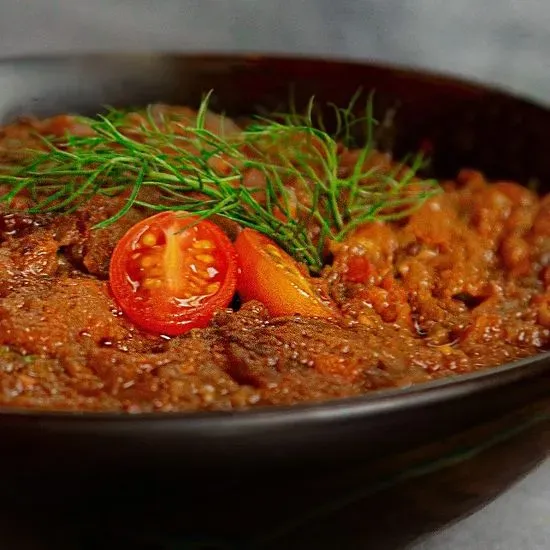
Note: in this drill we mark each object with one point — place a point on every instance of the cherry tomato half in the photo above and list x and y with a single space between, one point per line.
169 276
271 276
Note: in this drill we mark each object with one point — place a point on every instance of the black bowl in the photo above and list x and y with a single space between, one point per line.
255 476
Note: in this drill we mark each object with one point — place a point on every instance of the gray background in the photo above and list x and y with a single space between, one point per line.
503 41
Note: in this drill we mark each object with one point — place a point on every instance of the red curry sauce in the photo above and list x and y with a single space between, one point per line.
461 285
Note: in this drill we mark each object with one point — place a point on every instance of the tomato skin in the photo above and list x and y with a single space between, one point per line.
271 276
167 309
360 269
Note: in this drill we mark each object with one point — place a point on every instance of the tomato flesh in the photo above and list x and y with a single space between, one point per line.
271 276
170 272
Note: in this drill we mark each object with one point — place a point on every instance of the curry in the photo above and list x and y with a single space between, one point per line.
173 260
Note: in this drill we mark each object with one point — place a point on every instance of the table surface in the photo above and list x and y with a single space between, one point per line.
503 41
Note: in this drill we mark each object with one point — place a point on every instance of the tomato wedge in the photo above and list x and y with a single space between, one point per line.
170 272
271 276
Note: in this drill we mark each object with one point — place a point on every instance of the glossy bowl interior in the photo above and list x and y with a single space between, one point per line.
470 125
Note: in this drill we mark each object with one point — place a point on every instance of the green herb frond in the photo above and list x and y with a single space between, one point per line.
303 184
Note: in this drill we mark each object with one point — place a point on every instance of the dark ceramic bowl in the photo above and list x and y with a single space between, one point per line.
338 473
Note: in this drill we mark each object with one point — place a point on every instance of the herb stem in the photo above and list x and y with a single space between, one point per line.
303 200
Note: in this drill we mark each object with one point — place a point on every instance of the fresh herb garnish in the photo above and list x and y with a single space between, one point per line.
305 201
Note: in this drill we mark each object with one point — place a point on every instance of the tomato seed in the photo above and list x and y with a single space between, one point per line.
148 239
213 288
202 273
149 284
206 258
196 289
196 281
204 244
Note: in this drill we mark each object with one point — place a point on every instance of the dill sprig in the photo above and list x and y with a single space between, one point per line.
305 199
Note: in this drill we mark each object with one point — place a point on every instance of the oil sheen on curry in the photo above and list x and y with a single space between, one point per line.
171 259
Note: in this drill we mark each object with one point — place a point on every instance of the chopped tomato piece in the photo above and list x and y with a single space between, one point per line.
170 272
360 269
271 276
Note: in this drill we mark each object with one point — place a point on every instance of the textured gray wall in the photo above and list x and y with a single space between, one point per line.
503 41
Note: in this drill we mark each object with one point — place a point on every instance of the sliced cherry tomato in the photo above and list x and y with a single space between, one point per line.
271 276
168 275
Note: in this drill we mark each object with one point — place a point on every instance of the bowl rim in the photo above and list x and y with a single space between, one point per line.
418 70
366 405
